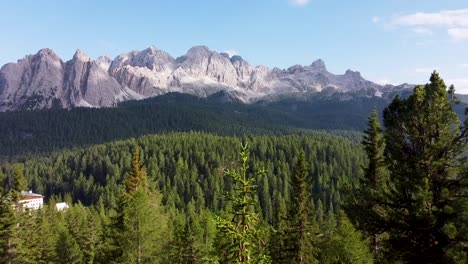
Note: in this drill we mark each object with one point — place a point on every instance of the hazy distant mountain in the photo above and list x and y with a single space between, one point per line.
43 80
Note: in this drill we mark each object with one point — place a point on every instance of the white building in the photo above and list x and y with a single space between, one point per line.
61 206
31 200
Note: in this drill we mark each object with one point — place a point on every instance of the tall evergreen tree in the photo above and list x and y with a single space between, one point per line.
301 233
277 242
18 184
344 244
244 244
7 224
68 250
186 247
424 150
364 204
138 227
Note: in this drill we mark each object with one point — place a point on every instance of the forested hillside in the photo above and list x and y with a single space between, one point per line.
190 166
398 196
188 169
48 130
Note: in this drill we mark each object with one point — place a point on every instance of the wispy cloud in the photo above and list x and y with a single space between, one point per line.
454 22
423 31
444 18
299 2
458 34
376 19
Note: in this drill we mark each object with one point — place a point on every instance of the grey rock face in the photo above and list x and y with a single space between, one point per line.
43 80
33 82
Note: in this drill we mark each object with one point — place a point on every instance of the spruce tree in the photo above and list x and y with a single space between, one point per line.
277 241
7 224
364 204
244 240
344 244
425 154
18 184
139 225
68 250
186 247
301 233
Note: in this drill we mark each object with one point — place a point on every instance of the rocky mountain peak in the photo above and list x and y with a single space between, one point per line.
47 54
152 49
198 50
42 80
318 65
353 74
224 54
104 59
236 58
81 56
296 69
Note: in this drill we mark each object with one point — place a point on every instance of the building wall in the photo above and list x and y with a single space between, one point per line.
33 203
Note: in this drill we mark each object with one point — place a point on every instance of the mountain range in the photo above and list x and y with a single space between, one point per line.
44 80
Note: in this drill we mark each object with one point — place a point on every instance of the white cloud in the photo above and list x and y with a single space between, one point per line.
461 85
299 2
376 19
463 65
231 52
455 22
458 34
423 31
444 18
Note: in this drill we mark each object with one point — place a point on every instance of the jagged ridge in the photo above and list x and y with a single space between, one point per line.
43 80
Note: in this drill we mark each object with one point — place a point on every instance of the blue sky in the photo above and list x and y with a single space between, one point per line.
388 41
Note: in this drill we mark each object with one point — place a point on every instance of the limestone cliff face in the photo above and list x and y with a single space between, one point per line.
43 80
36 80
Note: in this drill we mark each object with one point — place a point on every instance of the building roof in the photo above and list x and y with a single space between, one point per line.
30 195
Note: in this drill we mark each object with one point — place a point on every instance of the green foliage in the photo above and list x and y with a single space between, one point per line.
18 183
425 155
189 245
110 190
139 223
418 213
301 231
50 130
244 240
364 205
344 244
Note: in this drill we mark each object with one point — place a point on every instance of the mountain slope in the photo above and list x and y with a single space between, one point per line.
43 80
47 130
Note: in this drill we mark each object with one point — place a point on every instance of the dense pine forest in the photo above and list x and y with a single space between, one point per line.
398 194
48 130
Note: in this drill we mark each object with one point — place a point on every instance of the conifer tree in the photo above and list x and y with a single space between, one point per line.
45 236
244 241
277 242
68 250
7 224
137 229
19 183
363 205
344 244
13 248
186 248
424 151
301 233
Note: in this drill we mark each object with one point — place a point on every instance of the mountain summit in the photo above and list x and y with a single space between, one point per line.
43 80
